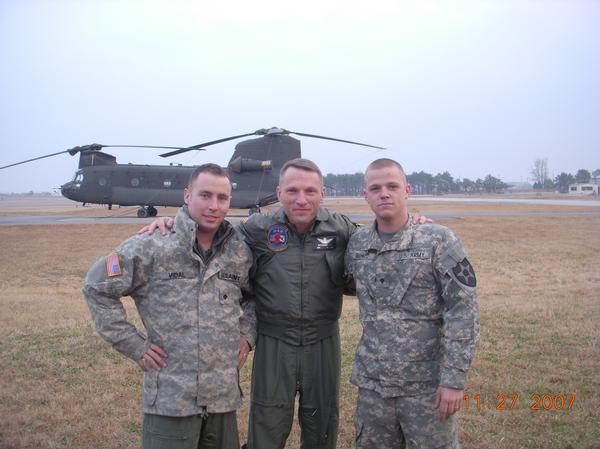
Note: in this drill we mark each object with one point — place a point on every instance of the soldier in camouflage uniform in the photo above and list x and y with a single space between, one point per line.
420 320
187 288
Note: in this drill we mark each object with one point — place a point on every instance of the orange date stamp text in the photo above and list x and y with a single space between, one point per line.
509 400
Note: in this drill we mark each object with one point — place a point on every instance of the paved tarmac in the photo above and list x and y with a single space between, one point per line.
125 216
66 220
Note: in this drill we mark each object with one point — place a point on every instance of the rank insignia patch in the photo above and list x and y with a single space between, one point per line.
113 265
464 273
325 243
277 237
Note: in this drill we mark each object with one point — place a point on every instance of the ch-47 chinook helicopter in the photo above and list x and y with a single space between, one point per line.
253 171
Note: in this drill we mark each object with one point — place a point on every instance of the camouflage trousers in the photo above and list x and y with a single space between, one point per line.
406 422
213 431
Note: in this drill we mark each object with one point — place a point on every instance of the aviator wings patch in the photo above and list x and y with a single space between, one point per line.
325 243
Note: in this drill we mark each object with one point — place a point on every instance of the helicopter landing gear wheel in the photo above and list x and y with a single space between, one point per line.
142 212
151 211
254 210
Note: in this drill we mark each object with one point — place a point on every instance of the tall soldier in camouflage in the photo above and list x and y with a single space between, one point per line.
187 288
420 319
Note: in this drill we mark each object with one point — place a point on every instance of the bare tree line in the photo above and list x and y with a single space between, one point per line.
424 183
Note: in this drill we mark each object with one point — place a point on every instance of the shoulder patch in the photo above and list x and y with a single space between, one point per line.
277 237
464 273
113 265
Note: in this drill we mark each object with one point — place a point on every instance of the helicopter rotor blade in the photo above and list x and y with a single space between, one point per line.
205 144
148 146
179 150
334 139
35 159
92 147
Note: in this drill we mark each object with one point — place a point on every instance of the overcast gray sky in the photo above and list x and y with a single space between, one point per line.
471 87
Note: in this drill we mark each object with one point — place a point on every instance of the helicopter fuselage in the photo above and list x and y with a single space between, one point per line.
253 171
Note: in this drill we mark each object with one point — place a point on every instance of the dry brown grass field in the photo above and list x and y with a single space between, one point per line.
539 292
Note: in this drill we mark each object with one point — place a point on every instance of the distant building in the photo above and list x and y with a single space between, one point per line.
584 188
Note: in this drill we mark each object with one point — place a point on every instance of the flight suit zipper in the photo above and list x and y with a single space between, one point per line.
302 289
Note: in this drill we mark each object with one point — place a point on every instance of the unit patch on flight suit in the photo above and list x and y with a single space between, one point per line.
277 237
325 243
464 273
113 265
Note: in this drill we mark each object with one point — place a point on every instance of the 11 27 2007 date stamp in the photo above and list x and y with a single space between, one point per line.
537 402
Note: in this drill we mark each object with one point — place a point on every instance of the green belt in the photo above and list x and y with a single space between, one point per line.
298 333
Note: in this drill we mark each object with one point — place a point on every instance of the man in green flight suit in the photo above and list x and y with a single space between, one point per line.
298 282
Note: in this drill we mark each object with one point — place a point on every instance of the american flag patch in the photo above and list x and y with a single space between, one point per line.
113 265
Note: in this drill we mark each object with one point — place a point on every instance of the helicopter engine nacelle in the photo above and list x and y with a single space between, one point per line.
242 164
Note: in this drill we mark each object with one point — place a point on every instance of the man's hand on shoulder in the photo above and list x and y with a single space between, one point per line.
447 401
420 219
162 223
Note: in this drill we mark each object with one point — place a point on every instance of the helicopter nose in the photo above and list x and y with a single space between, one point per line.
67 189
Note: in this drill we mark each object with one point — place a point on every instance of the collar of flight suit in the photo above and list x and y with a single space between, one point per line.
322 216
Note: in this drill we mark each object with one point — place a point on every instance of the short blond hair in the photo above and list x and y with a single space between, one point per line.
384 163
302 164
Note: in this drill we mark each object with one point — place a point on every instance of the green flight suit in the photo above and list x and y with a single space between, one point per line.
298 283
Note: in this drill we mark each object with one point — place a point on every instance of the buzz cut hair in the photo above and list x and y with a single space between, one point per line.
302 164
384 163
213 169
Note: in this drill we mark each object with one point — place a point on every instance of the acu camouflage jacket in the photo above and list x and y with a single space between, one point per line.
418 310
189 309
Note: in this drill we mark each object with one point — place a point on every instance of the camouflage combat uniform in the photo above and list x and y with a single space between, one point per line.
298 282
190 308
420 324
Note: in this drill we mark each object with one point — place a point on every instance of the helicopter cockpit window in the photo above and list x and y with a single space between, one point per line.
135 182
102 181
167 183
78 177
